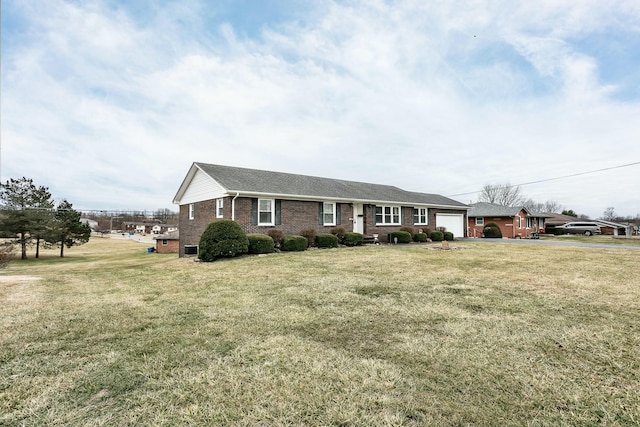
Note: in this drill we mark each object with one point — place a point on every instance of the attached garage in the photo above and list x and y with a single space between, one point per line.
453 223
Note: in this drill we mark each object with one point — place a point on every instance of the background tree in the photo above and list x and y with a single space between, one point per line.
502 194
569 212
66 229
609 214
23 210
548 206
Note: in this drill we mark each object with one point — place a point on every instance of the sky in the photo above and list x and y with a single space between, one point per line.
108 103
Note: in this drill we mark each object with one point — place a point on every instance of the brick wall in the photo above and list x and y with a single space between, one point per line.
296 215
172 246
508 226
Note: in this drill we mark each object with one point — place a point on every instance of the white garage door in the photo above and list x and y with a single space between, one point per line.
452 222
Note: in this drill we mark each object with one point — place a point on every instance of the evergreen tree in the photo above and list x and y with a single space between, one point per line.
66 228
24 207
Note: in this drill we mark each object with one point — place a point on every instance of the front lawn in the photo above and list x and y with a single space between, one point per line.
483 334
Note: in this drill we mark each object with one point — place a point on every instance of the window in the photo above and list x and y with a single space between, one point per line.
420 216
519 221
529 222
165 242
266 211
219 206
480 220
329 214
388 215
191 250
191 211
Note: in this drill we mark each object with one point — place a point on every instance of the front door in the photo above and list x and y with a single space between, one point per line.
358 218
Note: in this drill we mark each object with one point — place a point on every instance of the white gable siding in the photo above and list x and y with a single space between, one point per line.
202 187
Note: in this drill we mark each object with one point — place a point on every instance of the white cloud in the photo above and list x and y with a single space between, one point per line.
428 96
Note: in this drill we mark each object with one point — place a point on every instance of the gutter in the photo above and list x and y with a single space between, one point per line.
233 206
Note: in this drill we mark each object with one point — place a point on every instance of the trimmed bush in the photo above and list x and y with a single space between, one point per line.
222 239
310 235
353 239
448 236
492 231
260 244
326 241
409 230
437 236
294 243
276 235
420 237
403 236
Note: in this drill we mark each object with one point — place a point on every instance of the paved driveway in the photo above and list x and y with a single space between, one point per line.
543 241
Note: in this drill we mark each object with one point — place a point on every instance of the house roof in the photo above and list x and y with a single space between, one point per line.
171 235
482 209
279 184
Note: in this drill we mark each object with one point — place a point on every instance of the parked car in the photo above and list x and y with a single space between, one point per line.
586 228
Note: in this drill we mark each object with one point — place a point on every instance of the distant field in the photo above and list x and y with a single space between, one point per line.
484 334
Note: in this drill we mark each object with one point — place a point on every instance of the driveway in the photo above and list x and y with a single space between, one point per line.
543 241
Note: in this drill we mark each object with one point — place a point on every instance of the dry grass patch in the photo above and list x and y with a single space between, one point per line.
379 335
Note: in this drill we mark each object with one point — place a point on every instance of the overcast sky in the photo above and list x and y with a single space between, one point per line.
108 103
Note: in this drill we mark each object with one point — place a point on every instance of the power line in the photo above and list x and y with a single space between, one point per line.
556 178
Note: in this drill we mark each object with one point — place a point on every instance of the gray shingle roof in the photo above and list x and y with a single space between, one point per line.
244 180
482 209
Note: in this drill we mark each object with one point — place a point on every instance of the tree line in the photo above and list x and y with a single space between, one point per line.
30 217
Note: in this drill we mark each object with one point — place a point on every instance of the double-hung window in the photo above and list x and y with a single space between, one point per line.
329 214
219 206
192 214
529 222
266 211
420 216
480 220
388 215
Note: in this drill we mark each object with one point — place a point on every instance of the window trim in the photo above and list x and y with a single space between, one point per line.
190 246
192 211
418 216
480 221
219 208
272 212
383 215
331 211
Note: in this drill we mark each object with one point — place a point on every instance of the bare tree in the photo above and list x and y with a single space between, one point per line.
502 194
609 214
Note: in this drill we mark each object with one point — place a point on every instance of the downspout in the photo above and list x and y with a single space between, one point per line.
233 206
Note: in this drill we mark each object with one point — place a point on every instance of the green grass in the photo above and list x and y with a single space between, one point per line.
488 334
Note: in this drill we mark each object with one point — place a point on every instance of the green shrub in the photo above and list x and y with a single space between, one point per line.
492 231
310 235
222 239
260 244
409 230
437 236
353 239
420 237
448 236
403 237
294 243
276 235
326 241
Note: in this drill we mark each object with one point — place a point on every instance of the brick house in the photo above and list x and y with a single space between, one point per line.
168 242
261 200
514 221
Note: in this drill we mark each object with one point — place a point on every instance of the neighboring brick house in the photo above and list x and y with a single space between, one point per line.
514 221
168 242
262 200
